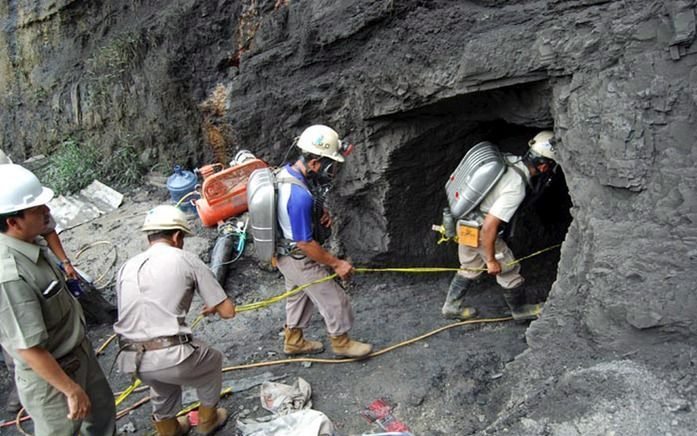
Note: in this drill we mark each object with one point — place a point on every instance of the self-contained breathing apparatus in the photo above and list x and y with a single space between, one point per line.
316 142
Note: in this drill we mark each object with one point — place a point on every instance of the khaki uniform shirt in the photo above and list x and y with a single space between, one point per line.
507 194
155 290
32 313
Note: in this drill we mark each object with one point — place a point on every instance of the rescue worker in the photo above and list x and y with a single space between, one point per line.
303 260
155 290
498 207
54 243
42 326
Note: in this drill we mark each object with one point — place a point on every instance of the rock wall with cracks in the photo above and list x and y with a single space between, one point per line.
413 84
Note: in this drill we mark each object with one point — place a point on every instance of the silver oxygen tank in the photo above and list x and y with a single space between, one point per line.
261 200
477 173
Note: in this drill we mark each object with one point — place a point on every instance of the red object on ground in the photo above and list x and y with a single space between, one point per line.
224 194
380 412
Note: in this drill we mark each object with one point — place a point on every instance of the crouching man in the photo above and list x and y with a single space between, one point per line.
155 290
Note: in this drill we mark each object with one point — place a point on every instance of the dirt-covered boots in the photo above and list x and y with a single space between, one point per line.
172 426
343 346
452 308
210 419
515 299
294 343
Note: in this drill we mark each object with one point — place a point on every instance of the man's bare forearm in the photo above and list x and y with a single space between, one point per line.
45 365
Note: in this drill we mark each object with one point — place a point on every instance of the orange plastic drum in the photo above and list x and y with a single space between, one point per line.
224 194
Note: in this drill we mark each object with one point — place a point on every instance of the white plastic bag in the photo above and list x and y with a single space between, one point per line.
306 422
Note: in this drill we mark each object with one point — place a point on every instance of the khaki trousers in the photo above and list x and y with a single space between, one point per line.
201 370
474 258
48 407
329 298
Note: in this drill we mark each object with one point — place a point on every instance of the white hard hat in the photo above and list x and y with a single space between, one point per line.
322 141
21 189
165 217
543 145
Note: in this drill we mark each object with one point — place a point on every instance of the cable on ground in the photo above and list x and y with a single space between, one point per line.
326 361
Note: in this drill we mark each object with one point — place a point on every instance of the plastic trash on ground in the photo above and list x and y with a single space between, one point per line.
292 415
283 399
306 422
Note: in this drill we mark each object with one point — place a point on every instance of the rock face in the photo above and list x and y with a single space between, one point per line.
413 84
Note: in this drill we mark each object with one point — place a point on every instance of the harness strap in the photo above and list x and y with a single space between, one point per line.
292 180
140 347
519 171
286 247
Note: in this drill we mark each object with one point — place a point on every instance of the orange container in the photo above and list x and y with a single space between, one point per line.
208 170
224 194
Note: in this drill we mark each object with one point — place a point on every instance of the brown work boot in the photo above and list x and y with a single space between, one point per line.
210 419
172 426
343 346
294 343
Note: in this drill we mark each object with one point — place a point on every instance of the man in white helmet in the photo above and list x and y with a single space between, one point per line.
492 253
53 241
301 218
155 290
42 325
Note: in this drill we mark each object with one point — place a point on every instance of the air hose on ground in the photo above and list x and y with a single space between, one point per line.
261 304
231 239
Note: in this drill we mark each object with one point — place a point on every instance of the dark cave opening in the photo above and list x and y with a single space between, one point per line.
438 138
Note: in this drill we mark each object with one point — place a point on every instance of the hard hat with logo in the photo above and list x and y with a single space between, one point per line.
322 141
165 217
21 189
542 145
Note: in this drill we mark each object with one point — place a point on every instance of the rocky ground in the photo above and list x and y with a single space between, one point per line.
454 383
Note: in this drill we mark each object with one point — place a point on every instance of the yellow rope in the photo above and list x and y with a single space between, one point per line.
18 422
373 354
96 282
328 361
181 200
269 301
128 391
106 343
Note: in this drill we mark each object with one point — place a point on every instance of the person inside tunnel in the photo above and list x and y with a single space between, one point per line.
481 245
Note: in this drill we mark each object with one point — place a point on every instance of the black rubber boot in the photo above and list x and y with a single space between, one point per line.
452 308
515 299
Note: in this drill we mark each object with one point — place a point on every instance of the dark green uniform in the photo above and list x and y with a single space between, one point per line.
35 313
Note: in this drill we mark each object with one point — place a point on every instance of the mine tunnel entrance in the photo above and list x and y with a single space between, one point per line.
509 117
